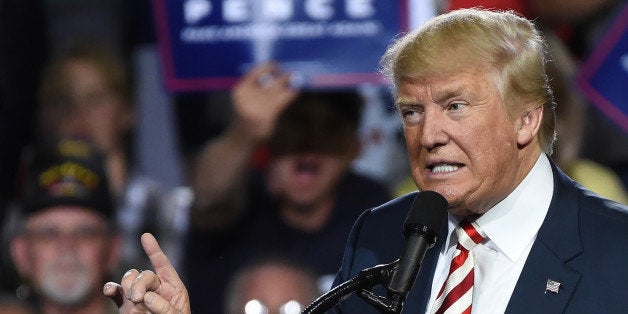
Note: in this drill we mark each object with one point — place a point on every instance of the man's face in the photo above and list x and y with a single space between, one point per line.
68 252
304 179
92 110
274 289
461 141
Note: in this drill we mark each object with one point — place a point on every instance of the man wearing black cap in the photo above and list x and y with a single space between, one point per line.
66 244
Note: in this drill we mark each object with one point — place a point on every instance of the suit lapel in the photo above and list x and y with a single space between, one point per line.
557 242
533 293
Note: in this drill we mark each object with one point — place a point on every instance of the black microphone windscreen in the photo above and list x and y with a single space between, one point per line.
428 209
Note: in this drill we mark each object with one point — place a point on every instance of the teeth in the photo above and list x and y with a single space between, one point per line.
444 168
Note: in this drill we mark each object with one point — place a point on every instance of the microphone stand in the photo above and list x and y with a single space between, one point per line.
362 284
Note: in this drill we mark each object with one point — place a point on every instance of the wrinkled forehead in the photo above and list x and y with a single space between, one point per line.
450 82
66 217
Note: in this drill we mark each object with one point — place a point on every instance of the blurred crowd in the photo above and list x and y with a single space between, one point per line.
240 186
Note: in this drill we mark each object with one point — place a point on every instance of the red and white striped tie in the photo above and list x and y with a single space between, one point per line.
456 294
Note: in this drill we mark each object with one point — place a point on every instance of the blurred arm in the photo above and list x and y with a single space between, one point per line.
219 171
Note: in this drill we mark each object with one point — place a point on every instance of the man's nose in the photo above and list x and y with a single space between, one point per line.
67 240
78 122
433 133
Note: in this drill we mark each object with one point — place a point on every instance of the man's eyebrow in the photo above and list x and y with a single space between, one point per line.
405 102
443 95
438 96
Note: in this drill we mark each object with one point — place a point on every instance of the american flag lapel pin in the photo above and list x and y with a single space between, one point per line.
552 286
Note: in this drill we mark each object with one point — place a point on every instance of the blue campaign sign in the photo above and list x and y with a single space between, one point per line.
210 44
604 76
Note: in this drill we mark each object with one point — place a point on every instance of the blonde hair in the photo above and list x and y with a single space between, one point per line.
501 39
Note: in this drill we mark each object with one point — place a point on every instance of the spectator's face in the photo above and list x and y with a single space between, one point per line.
304 179
92 109
66 251
460 139
274 289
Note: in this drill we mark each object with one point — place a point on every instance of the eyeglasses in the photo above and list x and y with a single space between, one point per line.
84 234
257 307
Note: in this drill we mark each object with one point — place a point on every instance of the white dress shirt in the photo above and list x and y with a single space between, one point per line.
511 226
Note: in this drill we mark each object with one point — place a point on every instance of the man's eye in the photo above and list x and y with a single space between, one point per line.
44 234
411 115
89 233
408 112
456 106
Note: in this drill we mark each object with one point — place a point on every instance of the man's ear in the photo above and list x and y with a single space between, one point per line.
19 254
528 125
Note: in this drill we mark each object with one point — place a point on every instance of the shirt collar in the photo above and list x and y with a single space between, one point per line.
513 222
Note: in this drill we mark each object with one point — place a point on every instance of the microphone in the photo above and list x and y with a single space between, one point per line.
421 228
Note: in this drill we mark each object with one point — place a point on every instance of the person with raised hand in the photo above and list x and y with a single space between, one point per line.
299 197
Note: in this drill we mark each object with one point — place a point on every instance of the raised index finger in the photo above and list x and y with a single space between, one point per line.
158 259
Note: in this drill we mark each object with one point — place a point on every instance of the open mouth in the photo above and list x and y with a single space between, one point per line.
444 167
307 167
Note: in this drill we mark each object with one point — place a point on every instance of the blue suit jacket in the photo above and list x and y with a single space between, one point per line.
582 243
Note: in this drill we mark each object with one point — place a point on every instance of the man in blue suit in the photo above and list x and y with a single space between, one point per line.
478 119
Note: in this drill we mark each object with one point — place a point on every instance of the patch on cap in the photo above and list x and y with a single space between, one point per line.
66 172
